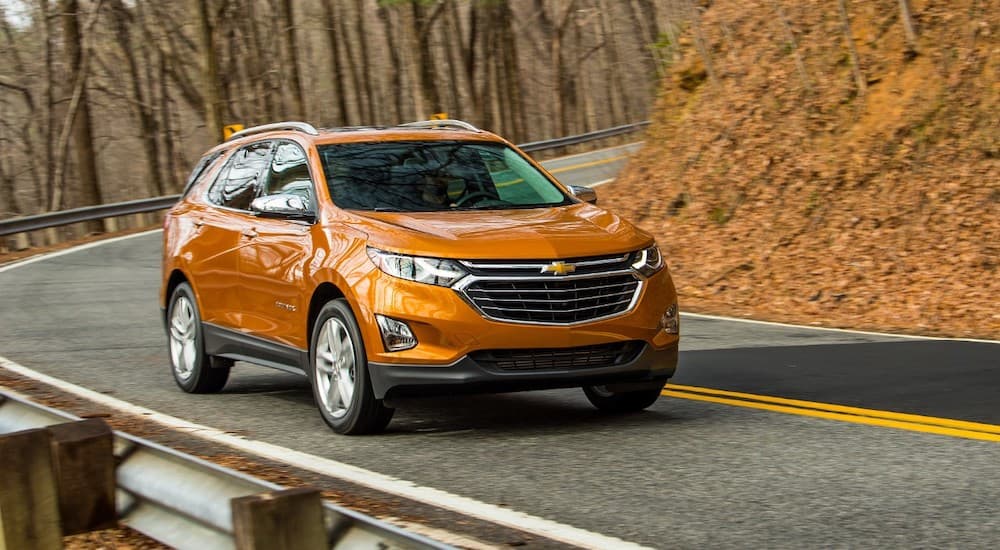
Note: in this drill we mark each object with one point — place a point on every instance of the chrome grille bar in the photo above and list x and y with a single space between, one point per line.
606 289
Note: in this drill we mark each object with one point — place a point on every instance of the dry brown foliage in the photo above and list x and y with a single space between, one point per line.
787 194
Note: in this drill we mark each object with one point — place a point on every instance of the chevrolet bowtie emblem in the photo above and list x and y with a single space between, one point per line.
559 268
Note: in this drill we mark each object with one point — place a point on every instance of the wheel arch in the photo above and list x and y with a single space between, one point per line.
324 293
176 278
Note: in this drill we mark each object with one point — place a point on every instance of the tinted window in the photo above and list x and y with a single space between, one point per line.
433 176
237 184
289 173
201 169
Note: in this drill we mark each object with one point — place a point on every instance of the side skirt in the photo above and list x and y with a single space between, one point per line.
239 346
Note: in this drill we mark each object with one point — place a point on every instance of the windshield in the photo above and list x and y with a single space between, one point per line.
434 176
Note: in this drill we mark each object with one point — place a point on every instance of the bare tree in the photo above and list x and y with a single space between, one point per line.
909 28
845 22
298 101
209 71
78 119
142 101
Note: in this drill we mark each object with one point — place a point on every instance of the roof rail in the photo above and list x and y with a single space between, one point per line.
446 123
303 127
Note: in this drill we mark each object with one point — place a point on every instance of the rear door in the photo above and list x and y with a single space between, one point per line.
273 262
224 226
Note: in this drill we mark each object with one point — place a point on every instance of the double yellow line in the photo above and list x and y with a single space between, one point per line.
871 417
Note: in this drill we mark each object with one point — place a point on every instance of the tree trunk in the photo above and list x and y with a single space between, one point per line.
210 72
396 63
700 43
260 61
298 101
88 190
909 28
337 67
845 23
344 34
427 67
148 127
368 115
794 44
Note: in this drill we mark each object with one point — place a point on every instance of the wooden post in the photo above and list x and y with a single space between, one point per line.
289 519
84 462
29 506
21 241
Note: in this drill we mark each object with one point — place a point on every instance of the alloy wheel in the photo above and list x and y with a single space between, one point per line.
336 369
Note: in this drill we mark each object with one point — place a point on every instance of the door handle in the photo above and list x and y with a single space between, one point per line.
249 233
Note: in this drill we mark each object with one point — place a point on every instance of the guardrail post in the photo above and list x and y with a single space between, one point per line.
29 505
83 457
289 519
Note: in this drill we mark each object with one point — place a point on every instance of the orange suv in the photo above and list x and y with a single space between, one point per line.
426 258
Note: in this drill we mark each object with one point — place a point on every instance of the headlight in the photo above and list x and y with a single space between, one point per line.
433 271
647 261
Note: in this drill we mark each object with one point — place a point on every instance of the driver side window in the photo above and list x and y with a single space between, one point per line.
289 174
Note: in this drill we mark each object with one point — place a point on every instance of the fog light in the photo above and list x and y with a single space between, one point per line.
396 335
671 320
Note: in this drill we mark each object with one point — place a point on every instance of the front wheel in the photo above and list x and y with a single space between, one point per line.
193 370
339 374
621 402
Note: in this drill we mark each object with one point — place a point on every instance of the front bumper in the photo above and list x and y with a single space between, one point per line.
649 368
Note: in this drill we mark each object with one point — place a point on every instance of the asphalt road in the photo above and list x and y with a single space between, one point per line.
684 474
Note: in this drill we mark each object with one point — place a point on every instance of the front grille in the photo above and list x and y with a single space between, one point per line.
583 357
555 300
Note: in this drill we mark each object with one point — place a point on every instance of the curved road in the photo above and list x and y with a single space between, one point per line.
687 473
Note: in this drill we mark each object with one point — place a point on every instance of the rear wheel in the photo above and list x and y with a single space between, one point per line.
339 374
621 402
193 370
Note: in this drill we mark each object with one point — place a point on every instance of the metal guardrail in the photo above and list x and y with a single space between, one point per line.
583 138
141 206
85 214
184 501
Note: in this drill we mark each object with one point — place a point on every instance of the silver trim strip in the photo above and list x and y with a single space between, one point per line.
619 302
461 287
563 301
303 127
504 290
542 263
446 123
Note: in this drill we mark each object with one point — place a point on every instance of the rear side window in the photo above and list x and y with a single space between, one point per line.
200 170
236 185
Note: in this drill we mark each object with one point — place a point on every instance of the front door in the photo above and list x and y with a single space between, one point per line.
274 260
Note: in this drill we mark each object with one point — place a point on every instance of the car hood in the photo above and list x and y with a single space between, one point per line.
574 231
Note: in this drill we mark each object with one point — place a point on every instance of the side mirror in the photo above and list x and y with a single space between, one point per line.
586 194
283 206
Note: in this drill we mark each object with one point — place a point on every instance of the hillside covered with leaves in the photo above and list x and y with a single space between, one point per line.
816 162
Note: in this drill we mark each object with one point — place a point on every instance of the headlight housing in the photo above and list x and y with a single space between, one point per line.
432 271
647 261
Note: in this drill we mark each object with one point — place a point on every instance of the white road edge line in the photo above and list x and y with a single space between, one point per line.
435 497
830 329
82 247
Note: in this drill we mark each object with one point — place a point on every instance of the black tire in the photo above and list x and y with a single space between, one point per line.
621 402
193 370
363 414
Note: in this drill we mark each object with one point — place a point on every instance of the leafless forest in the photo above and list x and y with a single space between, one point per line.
109 100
